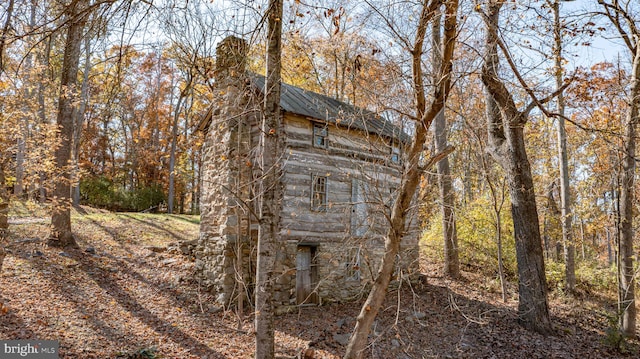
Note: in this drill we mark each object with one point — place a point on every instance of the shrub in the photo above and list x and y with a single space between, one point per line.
143 198
101 192
475 224
593 278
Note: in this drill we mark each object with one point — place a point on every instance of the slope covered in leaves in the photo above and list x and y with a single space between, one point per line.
129 290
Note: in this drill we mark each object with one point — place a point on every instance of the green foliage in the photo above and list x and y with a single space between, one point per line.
98 192
555 275
613 336
595 279
149 197
476 227
101 192
591 278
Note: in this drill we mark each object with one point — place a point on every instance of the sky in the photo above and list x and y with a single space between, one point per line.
604 46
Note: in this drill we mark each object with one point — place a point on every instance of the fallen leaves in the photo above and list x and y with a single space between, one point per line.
117 299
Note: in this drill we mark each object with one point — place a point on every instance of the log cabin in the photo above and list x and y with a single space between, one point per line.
341 166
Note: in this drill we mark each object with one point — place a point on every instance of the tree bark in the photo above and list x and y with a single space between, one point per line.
627 190
626 26
61 235
271 191
79 123
507 146
42 115
5 31
412 171
18 187
4 209
565 192
174 141
447 196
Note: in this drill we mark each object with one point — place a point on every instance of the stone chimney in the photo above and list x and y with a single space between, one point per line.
231 59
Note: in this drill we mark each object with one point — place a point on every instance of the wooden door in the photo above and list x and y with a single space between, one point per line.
305 271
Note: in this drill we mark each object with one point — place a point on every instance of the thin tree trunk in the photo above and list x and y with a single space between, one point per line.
582 239
42 115
565 194
503 283
451 259
174 143
61 235
172 157
497 210
627 280
271 189
4 209
18 187
5 31
79 123
609 248
412 172
507 146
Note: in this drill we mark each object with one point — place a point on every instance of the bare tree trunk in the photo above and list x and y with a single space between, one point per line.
582 239
412 171
18 187
42 116
174 142
5 31
271 189
79 123
507 146
172 158
447 198
172 161
627 280
4 209
61 235
623 21
503 282
497 211
565 194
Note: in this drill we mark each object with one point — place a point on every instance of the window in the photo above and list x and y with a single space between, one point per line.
359 208
320 136
395 154
319 193
353 264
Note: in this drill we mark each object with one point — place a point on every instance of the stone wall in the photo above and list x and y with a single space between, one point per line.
224 228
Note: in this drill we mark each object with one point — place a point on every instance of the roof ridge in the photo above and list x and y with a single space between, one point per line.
325 108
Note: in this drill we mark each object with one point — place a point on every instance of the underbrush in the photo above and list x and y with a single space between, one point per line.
591 278
478 253
102 192
477 242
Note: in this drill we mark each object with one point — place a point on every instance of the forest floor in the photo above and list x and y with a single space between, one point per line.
129 291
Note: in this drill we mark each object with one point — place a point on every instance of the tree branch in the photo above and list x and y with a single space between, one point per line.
615 20
437 158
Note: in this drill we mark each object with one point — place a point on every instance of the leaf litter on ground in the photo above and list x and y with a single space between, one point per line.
122 300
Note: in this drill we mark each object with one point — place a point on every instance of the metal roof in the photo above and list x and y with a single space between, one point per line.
326 109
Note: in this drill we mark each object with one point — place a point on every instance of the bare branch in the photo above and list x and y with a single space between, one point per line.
616 21
437 158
